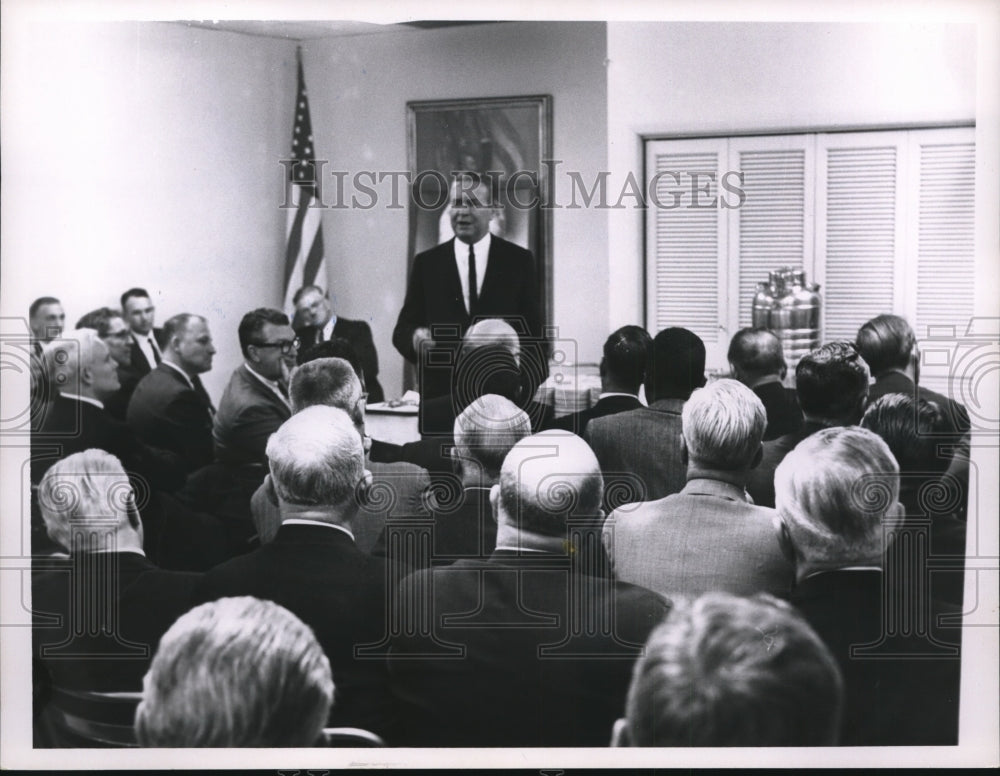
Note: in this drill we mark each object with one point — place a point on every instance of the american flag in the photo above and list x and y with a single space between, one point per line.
304 262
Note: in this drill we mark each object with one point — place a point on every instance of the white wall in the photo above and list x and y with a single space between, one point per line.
145 154
359 87
674 78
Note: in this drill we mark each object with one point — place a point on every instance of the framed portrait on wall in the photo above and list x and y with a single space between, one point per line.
505 139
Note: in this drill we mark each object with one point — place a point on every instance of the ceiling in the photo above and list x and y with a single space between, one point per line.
311 30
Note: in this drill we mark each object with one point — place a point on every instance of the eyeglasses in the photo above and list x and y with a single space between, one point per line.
287 346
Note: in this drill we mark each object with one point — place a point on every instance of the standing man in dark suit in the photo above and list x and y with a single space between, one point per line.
255 403
475 275
623 368
837 497
99 614
707 537
640 450
313 567
315 322
147 341
757 360
45 320
533 646
831 384
170 407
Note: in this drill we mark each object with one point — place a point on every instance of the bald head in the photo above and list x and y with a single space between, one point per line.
486 431
492 331
756 355
546 480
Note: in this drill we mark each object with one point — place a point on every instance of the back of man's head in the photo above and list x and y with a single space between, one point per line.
485 432
87 504
755 354
330 382
832 384
492 331
837 495
623 367
316 459
886 342
335 347
723 425
676 365
547 480
67 358
730 671
236 672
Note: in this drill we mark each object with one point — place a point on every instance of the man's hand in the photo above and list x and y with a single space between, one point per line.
421 335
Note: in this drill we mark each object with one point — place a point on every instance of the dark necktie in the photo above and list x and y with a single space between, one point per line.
473 283
156 353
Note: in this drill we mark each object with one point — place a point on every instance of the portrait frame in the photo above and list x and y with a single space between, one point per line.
506 138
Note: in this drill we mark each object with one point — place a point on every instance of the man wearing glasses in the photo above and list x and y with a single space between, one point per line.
255 402
112 329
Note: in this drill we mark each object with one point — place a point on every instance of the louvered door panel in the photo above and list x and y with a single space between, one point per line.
685 241
860 240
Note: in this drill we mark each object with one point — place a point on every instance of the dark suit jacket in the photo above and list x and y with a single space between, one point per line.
72 426
81 656
609 405
318 574
140 365
705 538
761 485
782 408
892 696
434 299
359 334
166 412
896 382
248 414
498 655
456 528
639 452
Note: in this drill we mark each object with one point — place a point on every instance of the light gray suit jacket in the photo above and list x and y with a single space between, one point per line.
707 537
639 452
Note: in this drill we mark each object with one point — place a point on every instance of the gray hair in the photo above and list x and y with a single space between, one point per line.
66 357
236 672
833 492
723 425
316 458
492 331
487 429
84 500
327 381
729 671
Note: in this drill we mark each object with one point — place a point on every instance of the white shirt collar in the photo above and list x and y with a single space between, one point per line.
179 371
306 521
134 550
616 393
85 399
328 328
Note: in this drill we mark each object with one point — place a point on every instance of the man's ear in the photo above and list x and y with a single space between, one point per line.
757 457
619 733
86 375
495 503
364 487
785 542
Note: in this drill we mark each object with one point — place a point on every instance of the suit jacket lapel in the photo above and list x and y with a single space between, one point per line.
454 282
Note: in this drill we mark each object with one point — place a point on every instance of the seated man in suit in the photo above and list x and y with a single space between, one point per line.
831 384
236 672
98 614
312 567
913 428
255 403
147 341
463 524
396 488
534 645
45 320
170 407
707 537
640 450
729 671
623 368
837 499
111 328
757 360
315 322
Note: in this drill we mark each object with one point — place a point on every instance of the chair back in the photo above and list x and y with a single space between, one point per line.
83 719
349 737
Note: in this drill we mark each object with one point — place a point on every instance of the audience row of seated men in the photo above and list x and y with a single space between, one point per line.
488 629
